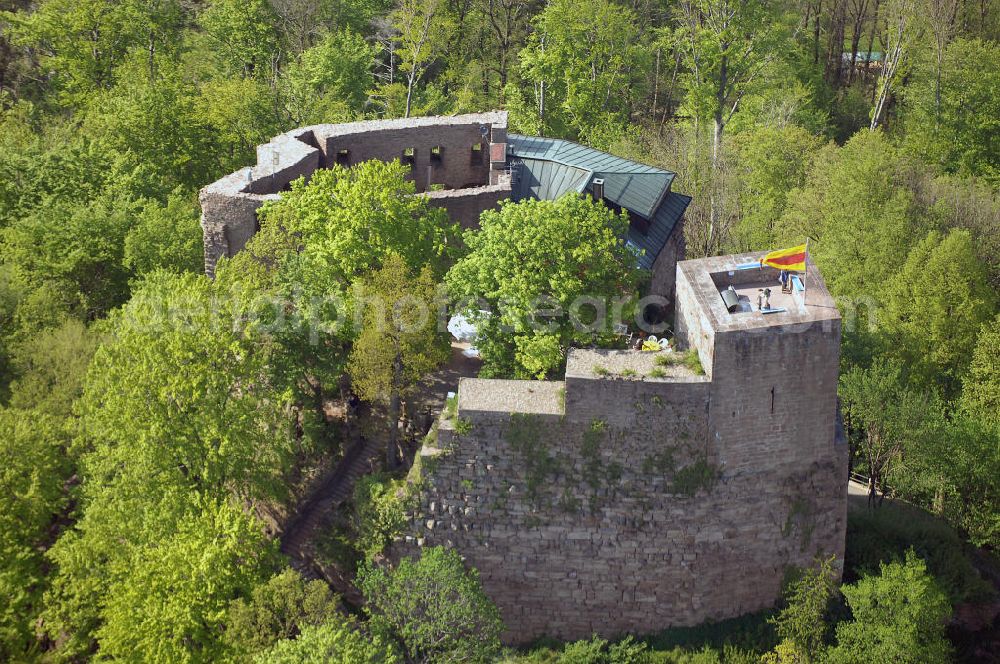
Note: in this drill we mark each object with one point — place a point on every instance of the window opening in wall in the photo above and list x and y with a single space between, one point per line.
344 157
436 153
477 153
409 155
772 400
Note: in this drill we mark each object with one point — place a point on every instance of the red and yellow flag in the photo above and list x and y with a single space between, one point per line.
793 258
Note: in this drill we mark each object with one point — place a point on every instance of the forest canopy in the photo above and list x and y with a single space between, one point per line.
156 424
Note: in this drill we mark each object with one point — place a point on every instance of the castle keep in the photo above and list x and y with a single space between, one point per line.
634 496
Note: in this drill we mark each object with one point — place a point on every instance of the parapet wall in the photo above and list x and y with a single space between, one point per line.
637 495
464 153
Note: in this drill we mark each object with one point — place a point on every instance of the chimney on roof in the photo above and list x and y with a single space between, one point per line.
597 189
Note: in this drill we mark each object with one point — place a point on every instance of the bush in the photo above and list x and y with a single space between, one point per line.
277 610
379 512
434 607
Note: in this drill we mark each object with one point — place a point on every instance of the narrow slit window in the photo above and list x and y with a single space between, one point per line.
409 155
436 152
344 157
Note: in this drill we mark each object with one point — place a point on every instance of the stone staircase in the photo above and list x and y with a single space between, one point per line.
297 542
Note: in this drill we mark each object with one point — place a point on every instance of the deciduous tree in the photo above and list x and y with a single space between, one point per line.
400 340
536 256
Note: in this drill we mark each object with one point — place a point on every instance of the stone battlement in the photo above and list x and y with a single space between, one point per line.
627 499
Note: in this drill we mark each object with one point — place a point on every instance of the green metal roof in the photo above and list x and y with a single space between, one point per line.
551 167
631 185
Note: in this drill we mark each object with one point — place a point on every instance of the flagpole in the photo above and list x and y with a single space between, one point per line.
806 266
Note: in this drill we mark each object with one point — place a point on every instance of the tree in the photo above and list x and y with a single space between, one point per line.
858 208
34 470
74 247
279 609
981 387
181 427
725 45
433 607
330 81
585 62
337 642
770 163
400 340
182 388
899 616
956 130
245 36
887 417
532 262
166 237
81 43
802 623
901 16
507 22
423 28
169 602
379 512
52 365
346 221
936 307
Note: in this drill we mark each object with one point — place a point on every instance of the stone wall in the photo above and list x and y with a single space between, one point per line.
441 151
631 496
664 272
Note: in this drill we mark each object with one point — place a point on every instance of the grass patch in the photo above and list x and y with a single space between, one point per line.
601 370
689 359
657 372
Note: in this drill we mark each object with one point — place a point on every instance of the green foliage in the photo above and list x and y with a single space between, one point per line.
772 161
882 536
330 81
540 255
169 600
399 341
887 417
525 439
279 609
178 418
981 388
935 309
859 213
336 642
379 512
692 478
245 36
33 471
899 616
434 607
803 620
591 61
76 248
52 365
348 221
166 237
955 127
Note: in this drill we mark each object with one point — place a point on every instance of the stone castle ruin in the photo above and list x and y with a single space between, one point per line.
465 164
640 492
